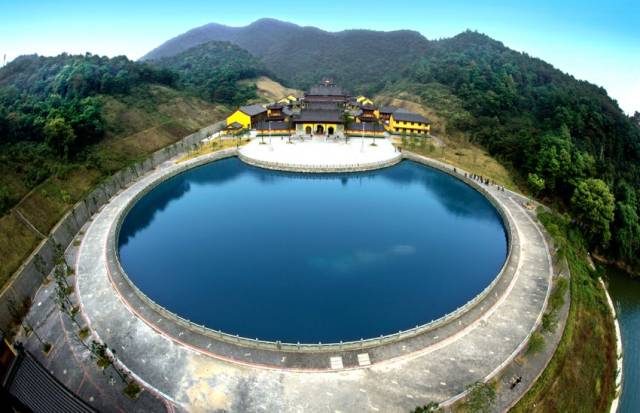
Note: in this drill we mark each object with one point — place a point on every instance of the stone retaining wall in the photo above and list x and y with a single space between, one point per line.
358 167
26 280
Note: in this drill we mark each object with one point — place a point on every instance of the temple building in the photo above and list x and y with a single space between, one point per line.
273 128
326 110
275 111
367 113
402 121
365 129
363 100
247 116
326 92
325 121
384 112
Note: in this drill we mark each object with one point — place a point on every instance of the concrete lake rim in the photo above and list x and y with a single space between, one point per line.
115 268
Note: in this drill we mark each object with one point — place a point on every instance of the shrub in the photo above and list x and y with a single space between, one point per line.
536 343
480 398
132 390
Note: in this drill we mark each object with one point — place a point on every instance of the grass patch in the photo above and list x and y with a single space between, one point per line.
212 146
480 398
536 343
581 375
556 301
16 243
462 155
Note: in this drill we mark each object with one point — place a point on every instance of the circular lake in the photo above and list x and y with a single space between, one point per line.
312 258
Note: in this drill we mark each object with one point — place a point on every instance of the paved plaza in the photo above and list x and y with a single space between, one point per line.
320 152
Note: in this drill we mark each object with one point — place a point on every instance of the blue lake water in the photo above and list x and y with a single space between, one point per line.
625 294
312 258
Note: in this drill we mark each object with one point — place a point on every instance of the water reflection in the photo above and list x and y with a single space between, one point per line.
145 210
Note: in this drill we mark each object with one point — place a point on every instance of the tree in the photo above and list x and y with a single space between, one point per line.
593 206
59 136
5 199
480 397
431 407
626 224
536 183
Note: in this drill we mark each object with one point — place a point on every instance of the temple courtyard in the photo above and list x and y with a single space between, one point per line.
320 152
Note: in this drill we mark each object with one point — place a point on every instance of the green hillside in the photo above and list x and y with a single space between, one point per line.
567 139
212 71
564 139
67 123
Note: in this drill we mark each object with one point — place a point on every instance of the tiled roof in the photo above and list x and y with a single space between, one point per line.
252 110
388 109
368 127
327 116
322 106
275 125
326 91
234 125
33 385
409 117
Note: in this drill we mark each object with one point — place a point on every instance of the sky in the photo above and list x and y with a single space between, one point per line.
598 41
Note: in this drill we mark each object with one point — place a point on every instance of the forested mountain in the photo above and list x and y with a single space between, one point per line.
51 112
566 139
48 99
69 122
302 55
564 136
211 70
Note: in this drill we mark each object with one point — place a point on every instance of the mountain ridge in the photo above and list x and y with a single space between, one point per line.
303 55
206 32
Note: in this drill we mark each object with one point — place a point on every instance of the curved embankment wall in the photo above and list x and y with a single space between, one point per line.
27 279
116 270
287 167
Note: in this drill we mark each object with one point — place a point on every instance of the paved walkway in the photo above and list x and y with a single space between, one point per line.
199 382
320 152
